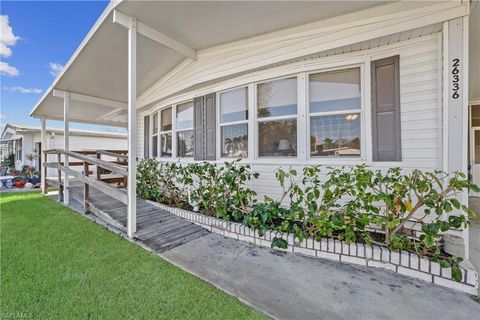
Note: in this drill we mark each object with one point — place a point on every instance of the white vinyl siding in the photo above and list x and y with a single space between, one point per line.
420 98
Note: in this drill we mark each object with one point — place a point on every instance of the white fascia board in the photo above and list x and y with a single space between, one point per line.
90 99
147 31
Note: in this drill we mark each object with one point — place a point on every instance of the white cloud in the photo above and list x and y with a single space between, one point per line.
7 38
22 90
2 116
55 68
8 70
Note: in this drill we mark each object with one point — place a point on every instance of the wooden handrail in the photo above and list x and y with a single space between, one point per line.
113 154
115 168
100 185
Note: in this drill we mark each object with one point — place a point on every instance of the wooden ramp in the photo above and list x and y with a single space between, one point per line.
156 228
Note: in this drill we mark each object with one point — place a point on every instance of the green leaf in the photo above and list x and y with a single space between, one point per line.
444 263
456 273
279 243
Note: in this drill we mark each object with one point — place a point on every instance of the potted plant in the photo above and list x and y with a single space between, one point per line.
19 181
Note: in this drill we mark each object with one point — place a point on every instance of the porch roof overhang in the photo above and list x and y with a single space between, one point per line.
96 75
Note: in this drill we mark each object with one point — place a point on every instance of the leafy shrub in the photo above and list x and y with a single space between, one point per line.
342 203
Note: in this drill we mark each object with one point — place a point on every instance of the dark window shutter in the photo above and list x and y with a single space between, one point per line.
146 136
386 110
210 126
198 127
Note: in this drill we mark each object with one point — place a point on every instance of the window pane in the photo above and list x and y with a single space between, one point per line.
333 91
185 115
235 140
277 138
277 98
155 123
154 146
166 145
166 119
335 136
185 140
233 105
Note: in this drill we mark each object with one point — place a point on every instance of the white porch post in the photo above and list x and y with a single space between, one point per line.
132 128
66 144
43 159
455 100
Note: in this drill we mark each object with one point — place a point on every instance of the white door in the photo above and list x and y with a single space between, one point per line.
475 149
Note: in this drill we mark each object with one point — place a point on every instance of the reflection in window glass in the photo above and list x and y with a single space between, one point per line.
185 140
335 136
185 115
277 98
335 91
235 140
166 145
166 119
155 146
278 138
155 123
234 105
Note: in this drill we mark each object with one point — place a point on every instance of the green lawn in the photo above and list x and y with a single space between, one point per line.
56 264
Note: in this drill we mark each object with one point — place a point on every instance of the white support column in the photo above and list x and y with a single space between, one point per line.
132 128
66 144
455 102
43 147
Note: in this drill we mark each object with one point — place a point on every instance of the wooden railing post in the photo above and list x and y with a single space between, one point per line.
44 174
86 188
60 186
98 168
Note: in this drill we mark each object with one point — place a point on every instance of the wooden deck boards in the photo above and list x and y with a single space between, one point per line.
157 228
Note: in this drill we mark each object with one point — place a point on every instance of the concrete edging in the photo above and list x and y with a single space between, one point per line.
399 261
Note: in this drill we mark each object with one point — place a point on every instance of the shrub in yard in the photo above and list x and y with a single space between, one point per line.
215 190
410 210
221 190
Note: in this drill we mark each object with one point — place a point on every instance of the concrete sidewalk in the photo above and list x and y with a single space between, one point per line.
289 286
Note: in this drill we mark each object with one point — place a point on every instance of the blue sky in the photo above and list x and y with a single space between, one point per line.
42 38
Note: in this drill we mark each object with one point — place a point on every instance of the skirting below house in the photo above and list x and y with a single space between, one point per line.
400 261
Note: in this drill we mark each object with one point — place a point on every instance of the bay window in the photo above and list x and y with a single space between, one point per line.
184 126
277 118
234 123
335 113
166 132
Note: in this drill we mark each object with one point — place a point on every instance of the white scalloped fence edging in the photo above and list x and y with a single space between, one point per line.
399 261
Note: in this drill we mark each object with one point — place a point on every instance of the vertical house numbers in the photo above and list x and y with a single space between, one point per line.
455 78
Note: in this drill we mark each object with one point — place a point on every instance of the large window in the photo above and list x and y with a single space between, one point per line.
335 113
184 125
166 132
234 123
155 135
277 118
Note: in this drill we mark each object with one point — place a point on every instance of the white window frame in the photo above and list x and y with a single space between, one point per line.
219 125
160 132
257 120
321 159
182 130
153 134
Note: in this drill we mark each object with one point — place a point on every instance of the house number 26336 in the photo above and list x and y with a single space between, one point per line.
455 78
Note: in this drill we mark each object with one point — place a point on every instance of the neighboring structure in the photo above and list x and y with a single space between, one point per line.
26 140
278 84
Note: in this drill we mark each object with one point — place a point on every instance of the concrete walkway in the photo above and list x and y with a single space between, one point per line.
289 286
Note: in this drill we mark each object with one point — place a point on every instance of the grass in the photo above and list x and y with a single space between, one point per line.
55 264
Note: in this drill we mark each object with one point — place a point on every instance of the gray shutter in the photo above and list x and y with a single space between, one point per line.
386 110
198 127
146 136
210 126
